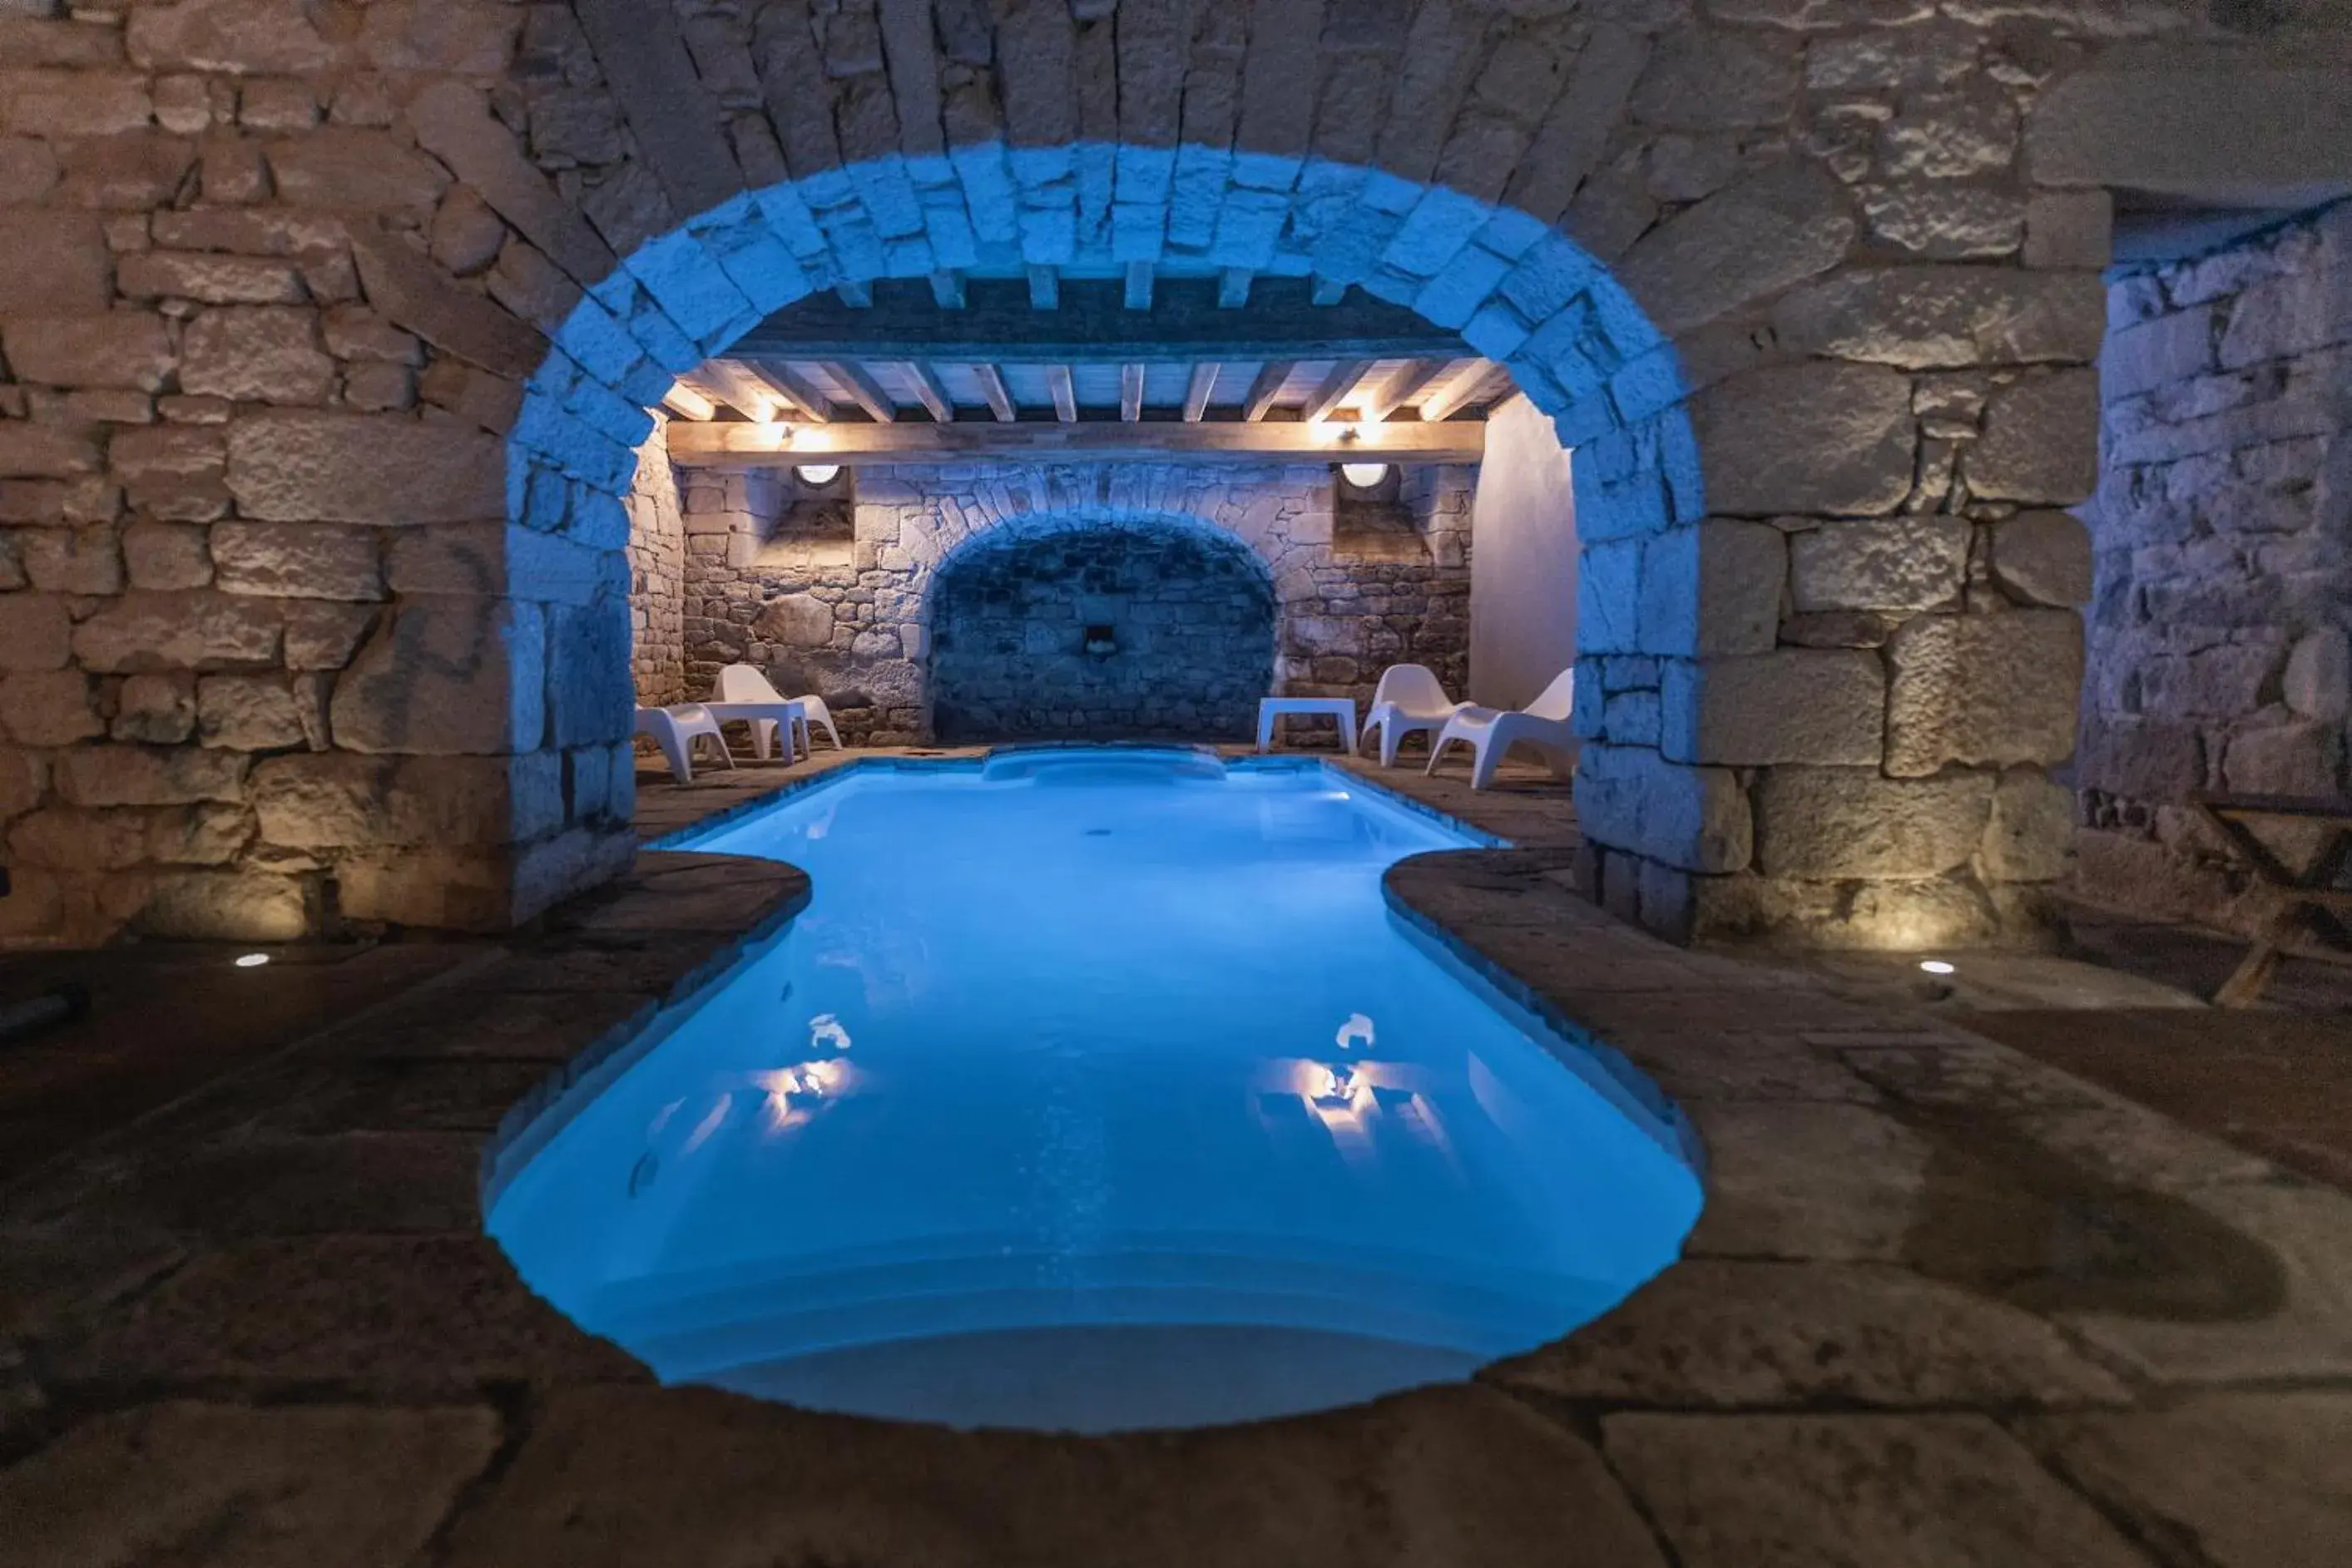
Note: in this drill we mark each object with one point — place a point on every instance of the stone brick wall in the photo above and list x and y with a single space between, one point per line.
330 333
656 577
851 619
2224 527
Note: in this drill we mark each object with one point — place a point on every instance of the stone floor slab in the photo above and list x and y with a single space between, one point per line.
1838 1181
2233 1480
379 1313
200 1485
1461 1476
1696 1067
2308 1231
1855 1491
286 1186
1710 1334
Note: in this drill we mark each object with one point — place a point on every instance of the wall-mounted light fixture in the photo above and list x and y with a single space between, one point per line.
816 476
1364 476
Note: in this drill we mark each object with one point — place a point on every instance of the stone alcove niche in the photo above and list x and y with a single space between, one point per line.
1019 620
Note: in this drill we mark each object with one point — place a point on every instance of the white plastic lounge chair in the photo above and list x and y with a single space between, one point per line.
1543 724
1408 700
745 683
676 728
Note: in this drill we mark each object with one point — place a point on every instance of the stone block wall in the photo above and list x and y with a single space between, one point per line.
853 623
328 334
656 552
273 659
2224 529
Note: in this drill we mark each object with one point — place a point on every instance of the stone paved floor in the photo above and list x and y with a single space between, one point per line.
1948 1306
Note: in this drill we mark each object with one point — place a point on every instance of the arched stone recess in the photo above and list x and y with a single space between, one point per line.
1817 330
1099 624
1516 290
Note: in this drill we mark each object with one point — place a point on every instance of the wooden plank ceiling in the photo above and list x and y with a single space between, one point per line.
1161 354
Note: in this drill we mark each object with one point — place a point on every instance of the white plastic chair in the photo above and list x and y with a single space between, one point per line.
675 729
1489 732
1409 700
745 683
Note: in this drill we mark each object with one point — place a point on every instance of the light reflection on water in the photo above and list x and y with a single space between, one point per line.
1099 1093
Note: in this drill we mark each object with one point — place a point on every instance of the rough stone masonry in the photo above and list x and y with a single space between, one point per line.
328 334
855 619
2223 522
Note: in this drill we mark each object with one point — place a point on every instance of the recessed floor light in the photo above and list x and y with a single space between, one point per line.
252 960
1935 965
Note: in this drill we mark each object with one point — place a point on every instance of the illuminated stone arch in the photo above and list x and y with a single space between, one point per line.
1811 354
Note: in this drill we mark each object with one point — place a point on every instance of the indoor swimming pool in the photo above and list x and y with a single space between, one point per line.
1095 1089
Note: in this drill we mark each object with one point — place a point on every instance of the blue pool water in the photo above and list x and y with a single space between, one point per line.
1095 1089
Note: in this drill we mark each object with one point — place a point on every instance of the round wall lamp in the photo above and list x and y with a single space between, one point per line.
1363 475
817 474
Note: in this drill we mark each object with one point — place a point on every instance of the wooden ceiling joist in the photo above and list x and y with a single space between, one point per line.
1453 394
946 290
1234 287
931 392
724 380
806 402
1336 388
1064 389
863 387
1051 321
1138 285
1497 386
993 388
737 446
1400 389
1131 393
687 403
1203 386
1265 389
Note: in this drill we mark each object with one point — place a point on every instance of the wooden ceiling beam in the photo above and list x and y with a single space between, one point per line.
1442 403
1196 395
1327 292
1234 287
1337 387
1064 389
1000 398
1138 285
1265 389
1087 321
863 387
932 394
737 446
686 402
1131 393
1400 388
857 296
946 290
797 390
737 387
1498 385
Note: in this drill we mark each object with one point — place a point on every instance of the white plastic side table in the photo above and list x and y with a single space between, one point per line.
1339 710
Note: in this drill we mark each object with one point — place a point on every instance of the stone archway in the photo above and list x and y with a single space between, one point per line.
1099 628
292 647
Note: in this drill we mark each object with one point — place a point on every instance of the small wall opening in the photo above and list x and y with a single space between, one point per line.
1104 633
